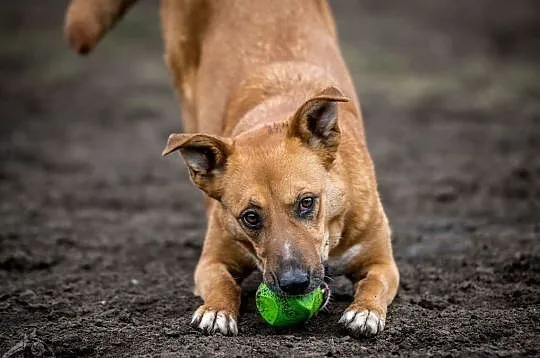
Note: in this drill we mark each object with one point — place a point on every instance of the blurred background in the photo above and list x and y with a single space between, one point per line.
99 235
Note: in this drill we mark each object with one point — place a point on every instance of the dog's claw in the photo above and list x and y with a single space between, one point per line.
362 322
211 321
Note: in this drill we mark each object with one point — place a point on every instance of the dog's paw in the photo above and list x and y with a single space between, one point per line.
362 322
211 321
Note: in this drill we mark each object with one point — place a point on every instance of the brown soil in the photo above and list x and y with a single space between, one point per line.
99 235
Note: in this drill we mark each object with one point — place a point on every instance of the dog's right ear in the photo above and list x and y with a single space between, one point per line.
205 156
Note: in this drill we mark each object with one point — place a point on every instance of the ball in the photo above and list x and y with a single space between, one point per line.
280 311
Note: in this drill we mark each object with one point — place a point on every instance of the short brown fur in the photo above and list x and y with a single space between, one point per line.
271 118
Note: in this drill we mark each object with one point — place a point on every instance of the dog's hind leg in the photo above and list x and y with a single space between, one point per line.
87 21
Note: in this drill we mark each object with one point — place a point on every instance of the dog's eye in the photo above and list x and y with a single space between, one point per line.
251 219
306 205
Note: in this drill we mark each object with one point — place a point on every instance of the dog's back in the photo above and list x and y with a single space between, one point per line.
215 47
218 50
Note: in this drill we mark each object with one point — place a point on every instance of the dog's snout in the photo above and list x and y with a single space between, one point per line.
294 281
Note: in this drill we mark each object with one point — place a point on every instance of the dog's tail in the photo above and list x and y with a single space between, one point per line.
87 21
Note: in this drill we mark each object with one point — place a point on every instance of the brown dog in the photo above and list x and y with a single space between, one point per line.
274 137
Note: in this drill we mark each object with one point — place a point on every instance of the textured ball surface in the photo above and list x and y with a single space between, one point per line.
281 311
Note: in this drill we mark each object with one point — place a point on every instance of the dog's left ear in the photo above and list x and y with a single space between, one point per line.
315 123
205 156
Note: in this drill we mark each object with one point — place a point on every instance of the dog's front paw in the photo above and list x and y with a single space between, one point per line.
210 321
362 322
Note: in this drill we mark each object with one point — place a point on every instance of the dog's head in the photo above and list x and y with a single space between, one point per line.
275 188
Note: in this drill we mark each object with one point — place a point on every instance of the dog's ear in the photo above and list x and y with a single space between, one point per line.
205 157
315 123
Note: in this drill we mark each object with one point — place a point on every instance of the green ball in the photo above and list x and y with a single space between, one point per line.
281 311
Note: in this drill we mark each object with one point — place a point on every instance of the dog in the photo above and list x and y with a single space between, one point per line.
273 135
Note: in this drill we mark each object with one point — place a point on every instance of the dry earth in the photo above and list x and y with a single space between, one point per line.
99 235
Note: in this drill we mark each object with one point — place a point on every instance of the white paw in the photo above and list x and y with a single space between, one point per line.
212 321
362 322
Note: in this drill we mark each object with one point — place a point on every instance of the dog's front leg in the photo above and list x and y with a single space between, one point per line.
217 280
373 270
221 295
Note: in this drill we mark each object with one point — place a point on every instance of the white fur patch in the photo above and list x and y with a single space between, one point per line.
210 321
287 252
325 246
347 317
233 328
363 322
207 320
221 322
351 253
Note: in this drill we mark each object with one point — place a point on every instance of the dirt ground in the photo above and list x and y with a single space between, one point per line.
99 235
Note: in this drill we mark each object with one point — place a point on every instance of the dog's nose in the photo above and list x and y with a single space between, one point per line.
294 281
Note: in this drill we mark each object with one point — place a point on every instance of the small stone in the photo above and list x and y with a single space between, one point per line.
169 332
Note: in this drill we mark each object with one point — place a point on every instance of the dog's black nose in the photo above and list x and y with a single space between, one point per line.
294 281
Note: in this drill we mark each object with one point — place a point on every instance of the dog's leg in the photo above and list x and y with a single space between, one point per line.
180 23
373 270
221 295
217 280
88 20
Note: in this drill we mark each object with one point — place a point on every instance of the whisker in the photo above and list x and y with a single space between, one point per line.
327 303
